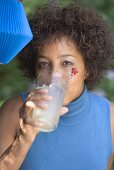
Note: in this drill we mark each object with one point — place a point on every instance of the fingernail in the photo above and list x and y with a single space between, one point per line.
30 103
65 109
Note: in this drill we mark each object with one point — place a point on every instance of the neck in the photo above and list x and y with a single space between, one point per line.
78 108
67 100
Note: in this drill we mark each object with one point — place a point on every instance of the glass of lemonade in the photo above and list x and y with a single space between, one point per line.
50 117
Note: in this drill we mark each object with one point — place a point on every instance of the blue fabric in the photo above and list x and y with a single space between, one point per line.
24 96
82 140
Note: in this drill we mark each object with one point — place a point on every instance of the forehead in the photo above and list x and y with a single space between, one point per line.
59 46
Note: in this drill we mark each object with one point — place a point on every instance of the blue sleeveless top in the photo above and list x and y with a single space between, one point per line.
82 140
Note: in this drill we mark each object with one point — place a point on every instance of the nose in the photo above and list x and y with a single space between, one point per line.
56 70
56 67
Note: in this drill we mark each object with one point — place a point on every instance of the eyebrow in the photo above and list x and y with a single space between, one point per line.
41 56
64 55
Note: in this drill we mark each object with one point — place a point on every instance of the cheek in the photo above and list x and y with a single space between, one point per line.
78 79
74 87
75 83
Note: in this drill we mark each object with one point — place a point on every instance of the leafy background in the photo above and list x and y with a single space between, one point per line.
11 80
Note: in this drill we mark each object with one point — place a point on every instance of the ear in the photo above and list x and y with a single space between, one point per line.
86 75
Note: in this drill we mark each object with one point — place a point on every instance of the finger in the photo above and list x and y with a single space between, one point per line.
35 123
21 123
27 131
39 97
35 130
63 110
22 113
25 111
38 91
36 104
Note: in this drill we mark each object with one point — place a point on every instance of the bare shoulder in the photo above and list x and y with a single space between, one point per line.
13 103
112 120
9 121
10 109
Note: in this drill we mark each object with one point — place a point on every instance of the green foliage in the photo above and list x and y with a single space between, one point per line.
108 86
105 7
113 166
11 80
30 5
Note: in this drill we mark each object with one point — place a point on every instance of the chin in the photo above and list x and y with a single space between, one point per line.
66 102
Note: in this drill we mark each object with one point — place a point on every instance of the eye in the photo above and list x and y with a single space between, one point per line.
66 63
43 64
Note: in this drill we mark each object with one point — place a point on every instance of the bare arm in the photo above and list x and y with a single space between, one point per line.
13 150
14 158
9 123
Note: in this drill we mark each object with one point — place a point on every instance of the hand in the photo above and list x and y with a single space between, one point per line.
36 98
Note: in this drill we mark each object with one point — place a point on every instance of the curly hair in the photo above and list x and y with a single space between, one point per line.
85 27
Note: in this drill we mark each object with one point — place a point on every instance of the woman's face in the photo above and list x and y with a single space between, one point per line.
61 56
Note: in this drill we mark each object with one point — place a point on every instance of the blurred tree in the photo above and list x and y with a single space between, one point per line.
11 80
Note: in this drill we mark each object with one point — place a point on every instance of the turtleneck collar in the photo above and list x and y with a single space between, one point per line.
77 109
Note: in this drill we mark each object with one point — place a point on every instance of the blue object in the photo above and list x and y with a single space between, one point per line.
15 32
82 140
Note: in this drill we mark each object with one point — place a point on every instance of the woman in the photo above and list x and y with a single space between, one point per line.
64 37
